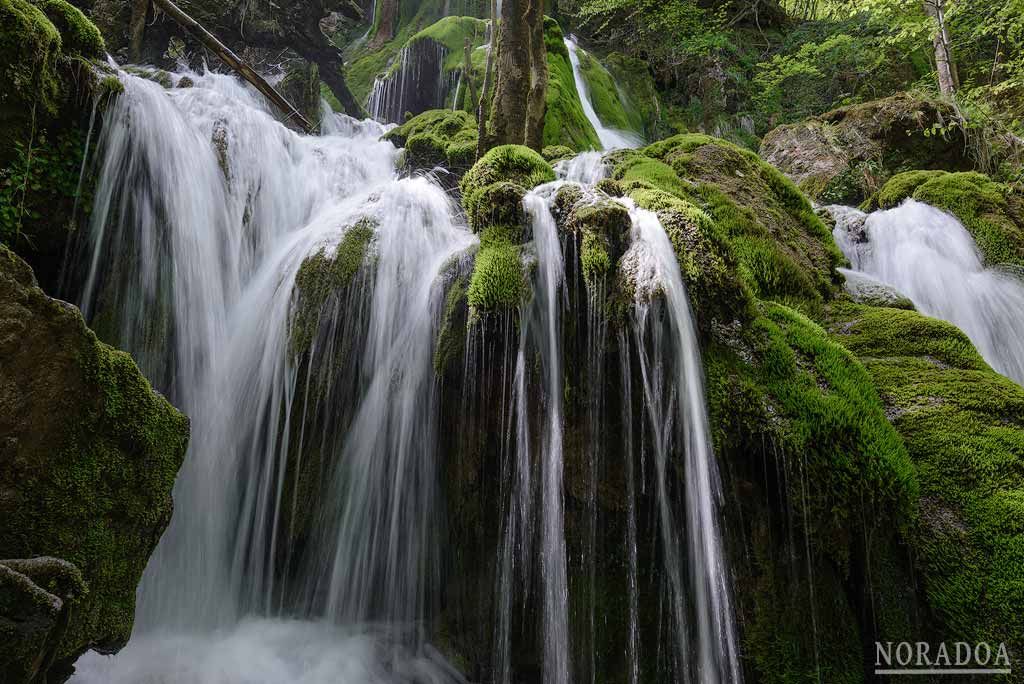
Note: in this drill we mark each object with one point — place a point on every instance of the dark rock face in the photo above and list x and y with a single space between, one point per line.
88 456
845 155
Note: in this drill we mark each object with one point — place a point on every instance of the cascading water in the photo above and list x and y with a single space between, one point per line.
415 84
194 255
673 400
928 256
611 139
698 581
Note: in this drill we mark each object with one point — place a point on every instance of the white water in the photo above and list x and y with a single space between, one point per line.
611 139
928 256
673 398
195 250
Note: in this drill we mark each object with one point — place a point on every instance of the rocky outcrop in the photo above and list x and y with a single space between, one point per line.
845 155
89 455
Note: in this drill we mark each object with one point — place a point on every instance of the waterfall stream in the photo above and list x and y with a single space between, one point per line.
611 139
209 215
928 256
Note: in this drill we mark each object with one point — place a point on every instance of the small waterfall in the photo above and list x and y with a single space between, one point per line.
673 400
931 258
611 139
415 84
206 211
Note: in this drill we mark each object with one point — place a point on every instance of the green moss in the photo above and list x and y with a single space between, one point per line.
439 137
322 276
93 457
605 96
554 153
637 93
29 48
564 121
963 426
792 409
782 249
79 36
451 338
991 211
493 189
452 33
497 281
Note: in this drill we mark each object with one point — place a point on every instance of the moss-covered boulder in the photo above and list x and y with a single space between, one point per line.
963 427
90 454
492 191
992 212
845 155
729 196
438 138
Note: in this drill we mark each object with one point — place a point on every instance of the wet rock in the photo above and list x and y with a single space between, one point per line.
867 290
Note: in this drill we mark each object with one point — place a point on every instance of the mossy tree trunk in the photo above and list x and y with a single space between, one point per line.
521 59
483 135
537 105
385 23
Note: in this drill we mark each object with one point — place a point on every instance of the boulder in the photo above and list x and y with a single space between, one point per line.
843 156
88 456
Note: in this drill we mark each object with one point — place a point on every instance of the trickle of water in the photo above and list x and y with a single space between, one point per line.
611 139
673 398
928 256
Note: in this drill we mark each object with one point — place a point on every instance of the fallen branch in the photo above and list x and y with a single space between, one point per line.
235 62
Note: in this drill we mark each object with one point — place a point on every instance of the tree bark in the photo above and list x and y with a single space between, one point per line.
483 134
137 29
944 64
385 30
467 71
233 61
537 105
512 82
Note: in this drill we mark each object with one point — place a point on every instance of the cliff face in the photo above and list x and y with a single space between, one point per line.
89 455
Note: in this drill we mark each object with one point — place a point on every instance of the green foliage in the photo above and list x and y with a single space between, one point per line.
42 175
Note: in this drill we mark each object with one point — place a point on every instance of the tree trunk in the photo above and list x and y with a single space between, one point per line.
329 63
941 42
233 61
467 72
537 104
385 20
512 85
137 29
483 134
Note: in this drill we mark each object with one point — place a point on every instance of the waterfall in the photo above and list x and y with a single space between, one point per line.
611 139
673 400
698 580
931 258
206 210
415 84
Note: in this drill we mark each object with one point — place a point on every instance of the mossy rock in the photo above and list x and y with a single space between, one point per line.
603 226
754 216
498 281
91 455
844 156
439 137
324 275
79 36
30 46
492 191
564 120
609 103
555 153
992 212
963 426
